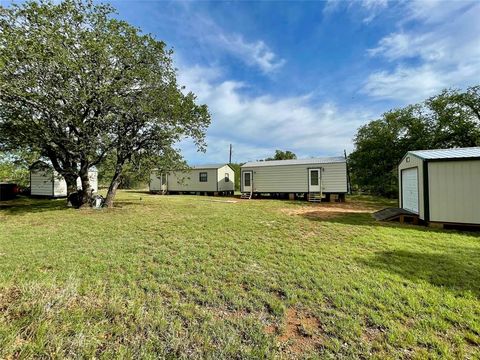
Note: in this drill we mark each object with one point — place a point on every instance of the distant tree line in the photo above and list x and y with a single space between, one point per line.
282 155
449 119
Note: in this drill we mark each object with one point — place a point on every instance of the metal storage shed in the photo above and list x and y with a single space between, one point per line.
45 181
212 178
442 185
316 177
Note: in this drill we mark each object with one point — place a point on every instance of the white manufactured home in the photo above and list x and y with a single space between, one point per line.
315 179
45 181
216 179
441 186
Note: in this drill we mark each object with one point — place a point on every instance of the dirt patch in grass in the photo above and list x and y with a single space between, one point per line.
299 332
326 211
8 296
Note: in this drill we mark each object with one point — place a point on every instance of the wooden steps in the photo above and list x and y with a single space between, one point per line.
246 195
314 196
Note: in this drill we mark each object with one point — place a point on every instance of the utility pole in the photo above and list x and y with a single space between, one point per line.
230 157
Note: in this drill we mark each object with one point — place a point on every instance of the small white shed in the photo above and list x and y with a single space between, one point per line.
45 181
442 185
213 179
316 178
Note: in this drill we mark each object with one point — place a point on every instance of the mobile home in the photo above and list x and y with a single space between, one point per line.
45 181
441 186
315 179
215 179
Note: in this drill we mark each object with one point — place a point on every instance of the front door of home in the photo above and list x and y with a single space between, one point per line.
247 181
163 181
314 182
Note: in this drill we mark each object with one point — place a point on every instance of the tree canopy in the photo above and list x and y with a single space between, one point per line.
450 119
282 155
78 85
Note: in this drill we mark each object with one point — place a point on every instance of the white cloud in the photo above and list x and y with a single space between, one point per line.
253 53
259 125
435 11
369 9
213 40
373 7
441 54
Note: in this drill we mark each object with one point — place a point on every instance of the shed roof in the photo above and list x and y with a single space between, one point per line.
456 153
323 160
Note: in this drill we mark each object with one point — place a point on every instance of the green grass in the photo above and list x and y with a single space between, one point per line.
185 276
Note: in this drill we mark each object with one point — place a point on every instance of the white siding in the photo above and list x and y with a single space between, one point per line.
409 162
93 176
294 178
189 180
454 191
60 186
155 181
41 182
226 185
50 183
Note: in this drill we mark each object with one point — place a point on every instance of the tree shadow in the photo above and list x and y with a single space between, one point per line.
142 192
459 272
24 205
366 219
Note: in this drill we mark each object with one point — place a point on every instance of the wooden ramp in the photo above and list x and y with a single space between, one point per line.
393 214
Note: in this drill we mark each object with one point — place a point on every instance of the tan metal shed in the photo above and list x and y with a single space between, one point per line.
45 181
441 185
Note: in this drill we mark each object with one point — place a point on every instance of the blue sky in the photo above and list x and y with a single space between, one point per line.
303 76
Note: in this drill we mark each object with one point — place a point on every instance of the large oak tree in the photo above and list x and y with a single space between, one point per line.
77 85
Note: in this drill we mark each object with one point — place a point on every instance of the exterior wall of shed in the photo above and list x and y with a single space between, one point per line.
189 180
414 162
92 177
294 178
155 181
454 192
48 183
41 182
222 184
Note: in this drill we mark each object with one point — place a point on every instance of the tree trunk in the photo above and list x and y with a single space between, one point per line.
86 193
71 181
112 189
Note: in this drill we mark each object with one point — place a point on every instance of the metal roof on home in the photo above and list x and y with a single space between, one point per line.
198 167
456 153
208 166
324 160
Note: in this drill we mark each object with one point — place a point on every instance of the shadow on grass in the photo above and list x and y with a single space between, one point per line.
366 219
456 272
143 192
24 205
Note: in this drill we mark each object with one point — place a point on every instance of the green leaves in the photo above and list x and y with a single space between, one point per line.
450 119
78 85
282 155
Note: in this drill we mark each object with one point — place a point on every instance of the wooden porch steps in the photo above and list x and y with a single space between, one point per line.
246 195
314 196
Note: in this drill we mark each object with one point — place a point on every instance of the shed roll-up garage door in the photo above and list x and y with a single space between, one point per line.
410 190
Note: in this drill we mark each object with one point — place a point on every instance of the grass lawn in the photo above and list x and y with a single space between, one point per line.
185 276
